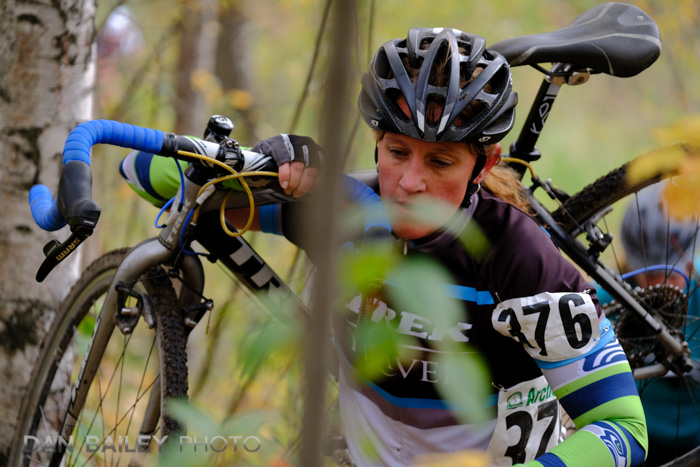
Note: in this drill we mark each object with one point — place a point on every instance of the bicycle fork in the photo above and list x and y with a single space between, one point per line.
145 255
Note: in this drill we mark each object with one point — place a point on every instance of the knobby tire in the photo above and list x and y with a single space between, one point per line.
593 203
71 327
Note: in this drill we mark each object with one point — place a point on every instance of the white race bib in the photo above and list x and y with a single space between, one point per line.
551 326
529 423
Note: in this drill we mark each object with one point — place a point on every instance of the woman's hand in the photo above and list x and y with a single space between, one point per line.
299 159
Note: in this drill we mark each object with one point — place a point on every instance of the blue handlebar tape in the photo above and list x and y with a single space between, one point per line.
375 211
77 148
45 211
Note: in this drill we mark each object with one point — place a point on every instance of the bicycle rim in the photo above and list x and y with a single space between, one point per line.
129 377
675 397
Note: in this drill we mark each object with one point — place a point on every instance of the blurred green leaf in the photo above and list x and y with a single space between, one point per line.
475 241
468 387
272 336
379 349
420 289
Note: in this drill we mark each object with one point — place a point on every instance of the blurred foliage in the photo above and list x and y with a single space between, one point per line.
682 195
469 458
592 129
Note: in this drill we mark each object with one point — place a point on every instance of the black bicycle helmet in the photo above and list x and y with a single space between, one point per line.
489 94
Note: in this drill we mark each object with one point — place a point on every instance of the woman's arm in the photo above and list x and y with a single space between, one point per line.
599 394
588 372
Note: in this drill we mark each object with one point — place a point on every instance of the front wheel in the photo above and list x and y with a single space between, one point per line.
671 403
138 373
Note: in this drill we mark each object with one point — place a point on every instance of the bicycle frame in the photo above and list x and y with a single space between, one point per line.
235 253
524 148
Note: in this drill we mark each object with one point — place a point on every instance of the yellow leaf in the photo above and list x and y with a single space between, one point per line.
466 458
682 196
686 131
239 99
652 163
205 83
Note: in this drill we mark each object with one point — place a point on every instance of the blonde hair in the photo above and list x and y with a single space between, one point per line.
503 182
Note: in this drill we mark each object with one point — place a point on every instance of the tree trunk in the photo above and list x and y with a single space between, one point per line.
46 86
197 52
233 67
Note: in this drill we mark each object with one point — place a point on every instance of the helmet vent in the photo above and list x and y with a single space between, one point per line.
382 67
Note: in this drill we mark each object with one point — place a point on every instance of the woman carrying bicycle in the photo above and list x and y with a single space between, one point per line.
439 102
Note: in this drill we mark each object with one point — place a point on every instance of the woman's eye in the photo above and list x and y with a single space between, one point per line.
441 163
397 152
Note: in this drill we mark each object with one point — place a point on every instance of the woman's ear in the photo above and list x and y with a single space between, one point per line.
491 161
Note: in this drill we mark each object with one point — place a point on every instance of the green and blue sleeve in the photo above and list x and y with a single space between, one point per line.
157 179
599 394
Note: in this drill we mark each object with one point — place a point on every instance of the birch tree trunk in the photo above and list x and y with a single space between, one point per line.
46 86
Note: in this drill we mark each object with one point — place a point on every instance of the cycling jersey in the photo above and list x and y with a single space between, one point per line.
536 323
526 312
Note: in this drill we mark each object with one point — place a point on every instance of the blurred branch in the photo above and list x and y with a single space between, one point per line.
233 65
314 60
140 74
197 52
323 231
212 342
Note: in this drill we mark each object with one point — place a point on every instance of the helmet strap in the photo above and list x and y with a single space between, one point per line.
478 166
480 162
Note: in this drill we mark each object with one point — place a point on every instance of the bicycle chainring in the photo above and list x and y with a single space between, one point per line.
667 303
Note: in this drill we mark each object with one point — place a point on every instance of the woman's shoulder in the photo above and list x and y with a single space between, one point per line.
500 218
523 259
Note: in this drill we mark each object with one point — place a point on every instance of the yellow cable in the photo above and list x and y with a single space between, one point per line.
520 161
233 176
222 211
206 159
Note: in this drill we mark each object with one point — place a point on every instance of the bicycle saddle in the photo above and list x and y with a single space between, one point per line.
613 38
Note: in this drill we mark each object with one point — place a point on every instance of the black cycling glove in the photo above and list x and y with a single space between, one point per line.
288 148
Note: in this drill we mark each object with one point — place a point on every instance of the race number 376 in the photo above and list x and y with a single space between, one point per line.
551 326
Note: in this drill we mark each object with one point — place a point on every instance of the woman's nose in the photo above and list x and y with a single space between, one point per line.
412 179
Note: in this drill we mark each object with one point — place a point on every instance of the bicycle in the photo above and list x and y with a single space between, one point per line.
100 315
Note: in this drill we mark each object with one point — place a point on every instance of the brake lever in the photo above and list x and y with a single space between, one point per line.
56 252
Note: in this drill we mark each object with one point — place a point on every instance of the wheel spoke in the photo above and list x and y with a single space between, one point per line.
127 372
604 205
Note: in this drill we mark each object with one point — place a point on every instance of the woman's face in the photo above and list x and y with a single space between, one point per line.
414 173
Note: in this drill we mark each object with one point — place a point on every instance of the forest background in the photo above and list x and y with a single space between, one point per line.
262 63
